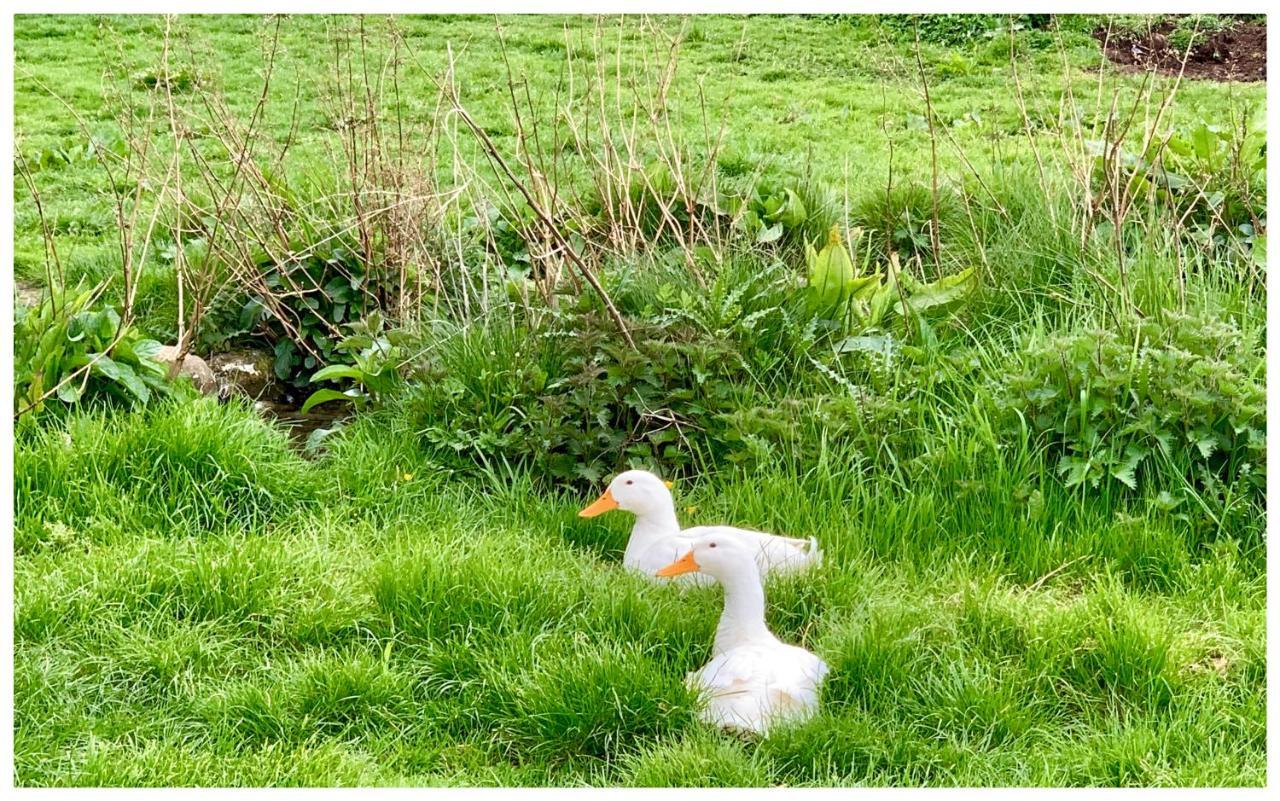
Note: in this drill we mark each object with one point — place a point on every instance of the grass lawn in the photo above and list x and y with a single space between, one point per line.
198 602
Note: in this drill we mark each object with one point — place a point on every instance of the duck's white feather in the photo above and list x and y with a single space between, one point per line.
752 686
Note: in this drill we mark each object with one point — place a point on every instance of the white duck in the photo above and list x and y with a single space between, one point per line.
753 680
656 538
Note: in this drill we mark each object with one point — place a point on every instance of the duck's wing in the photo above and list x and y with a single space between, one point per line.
754 686
774 554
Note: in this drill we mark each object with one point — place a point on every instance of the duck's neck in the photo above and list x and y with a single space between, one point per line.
651 526
743 618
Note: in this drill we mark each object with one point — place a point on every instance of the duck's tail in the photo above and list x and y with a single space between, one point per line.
815 552
802 555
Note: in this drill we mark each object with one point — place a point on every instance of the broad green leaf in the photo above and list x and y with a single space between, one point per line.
68 392
864 288
1204 138
324 396
771 234
793 212
123 375
285 359
334 371
944 293
884 300
316 438
879 344
830 272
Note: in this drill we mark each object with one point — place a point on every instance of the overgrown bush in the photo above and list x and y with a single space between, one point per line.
1116 406
316 290
1210 176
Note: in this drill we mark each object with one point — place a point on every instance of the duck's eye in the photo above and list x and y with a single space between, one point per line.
630 482
712 545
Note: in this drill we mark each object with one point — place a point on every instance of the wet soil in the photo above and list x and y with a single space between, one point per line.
1238 53
299 425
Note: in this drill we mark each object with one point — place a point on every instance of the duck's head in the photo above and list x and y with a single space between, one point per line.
635 491
716 555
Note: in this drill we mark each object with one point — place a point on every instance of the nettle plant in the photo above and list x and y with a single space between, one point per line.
1181 389
66 347
573 405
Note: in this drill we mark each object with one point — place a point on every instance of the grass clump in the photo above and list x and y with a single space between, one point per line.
181 468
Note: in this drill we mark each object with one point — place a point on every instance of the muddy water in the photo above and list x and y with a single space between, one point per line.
301 425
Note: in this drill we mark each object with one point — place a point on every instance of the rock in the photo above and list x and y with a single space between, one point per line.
244 372
193 367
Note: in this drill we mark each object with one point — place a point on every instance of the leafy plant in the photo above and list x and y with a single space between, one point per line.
78 352
1179 389
1195 29
766 215
573 405
858 298
374 354
77 153
1211 175
317 292
750 304
947 29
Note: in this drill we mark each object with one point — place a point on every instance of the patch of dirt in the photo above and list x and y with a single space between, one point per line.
26 293
1238 53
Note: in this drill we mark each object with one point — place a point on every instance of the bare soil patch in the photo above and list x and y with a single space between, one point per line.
1238 53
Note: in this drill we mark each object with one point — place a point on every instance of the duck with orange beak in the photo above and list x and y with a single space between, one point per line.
754 680
656 538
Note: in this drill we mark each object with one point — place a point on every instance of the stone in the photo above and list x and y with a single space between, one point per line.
193 367
246 372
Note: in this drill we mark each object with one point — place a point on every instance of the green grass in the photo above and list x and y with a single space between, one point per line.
439 631
196 603
797 96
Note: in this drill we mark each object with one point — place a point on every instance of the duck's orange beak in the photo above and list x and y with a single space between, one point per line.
605 503
685 564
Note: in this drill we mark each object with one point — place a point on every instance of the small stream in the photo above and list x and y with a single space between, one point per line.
301 425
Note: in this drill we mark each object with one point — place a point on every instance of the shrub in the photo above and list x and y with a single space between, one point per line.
1212 176
1195 29
946 29
317 290
1179 389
